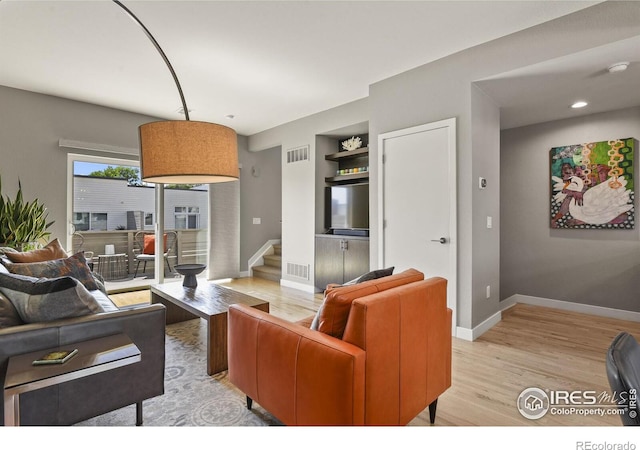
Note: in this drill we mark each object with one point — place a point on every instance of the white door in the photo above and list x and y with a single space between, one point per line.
417 196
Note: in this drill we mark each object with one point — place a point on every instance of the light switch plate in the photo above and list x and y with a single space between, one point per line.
257 221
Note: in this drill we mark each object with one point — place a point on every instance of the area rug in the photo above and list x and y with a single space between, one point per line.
191 398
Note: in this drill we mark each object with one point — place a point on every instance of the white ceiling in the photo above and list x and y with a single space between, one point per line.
545 91
265 62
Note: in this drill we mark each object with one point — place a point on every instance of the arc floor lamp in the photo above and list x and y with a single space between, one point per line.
185 151
182 151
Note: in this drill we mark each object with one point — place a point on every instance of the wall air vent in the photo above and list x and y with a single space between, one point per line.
298 154
298 270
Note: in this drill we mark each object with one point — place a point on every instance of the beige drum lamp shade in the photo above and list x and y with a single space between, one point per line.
188 152
185 151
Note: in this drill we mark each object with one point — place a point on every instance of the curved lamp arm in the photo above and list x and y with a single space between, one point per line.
164 56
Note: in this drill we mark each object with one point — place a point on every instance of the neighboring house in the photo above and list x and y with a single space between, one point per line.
101 204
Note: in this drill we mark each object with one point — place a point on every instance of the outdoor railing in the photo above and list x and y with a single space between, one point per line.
191 245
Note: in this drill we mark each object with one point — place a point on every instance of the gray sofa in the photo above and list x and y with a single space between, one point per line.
78 400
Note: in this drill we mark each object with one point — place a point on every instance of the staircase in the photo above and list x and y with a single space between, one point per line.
272 268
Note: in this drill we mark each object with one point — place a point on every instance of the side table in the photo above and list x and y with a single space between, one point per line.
94 356
112 267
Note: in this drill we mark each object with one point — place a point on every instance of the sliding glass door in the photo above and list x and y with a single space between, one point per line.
110 210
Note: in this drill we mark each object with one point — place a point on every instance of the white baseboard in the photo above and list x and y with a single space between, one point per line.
298 286
244 274
602 311
471 334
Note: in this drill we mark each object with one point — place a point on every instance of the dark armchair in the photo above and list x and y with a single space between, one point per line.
623 372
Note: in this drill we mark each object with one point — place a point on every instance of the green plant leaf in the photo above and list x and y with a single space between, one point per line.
22 221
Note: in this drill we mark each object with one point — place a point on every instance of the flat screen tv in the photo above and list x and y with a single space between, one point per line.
347 207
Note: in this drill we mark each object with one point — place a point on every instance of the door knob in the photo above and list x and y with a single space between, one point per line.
441 240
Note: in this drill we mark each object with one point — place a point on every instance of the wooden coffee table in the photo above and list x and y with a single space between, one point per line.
208 301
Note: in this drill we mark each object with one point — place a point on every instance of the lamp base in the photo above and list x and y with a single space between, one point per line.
190 271
190 281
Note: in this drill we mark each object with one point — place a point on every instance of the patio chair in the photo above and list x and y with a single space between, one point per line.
145 243
76 246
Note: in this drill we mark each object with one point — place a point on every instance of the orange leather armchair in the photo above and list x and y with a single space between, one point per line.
381 356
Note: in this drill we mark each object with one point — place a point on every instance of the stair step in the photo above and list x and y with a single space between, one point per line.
267 272
278 249
273 260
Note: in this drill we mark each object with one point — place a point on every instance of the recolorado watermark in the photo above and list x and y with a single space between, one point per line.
534 403
588 445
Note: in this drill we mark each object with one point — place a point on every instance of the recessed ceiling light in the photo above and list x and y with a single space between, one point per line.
181 110
580 104
230 116
618 67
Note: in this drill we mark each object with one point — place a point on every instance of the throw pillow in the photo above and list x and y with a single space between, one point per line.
74 266
379 273
47 299
9 316
4 250
316 319
374 274
99 282
149 247
53 250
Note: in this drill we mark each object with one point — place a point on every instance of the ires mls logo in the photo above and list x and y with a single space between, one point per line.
632 403
534 403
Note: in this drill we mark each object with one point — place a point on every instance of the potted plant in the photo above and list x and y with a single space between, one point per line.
23 224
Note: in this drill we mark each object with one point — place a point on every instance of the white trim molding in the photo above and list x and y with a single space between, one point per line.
79 145
299 286
472 334
73 157
602 311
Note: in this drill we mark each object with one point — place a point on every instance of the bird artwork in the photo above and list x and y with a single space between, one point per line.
598 205
592 185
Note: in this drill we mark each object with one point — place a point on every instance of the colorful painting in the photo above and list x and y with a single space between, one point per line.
592 185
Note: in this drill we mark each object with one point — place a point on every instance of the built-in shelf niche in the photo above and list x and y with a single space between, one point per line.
354 162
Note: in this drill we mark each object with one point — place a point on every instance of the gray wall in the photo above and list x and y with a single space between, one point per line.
485 136
593 267
260 196
300 181
31 125
443 89
224 230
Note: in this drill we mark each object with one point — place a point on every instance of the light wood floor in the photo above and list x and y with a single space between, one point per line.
290 304
531 347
